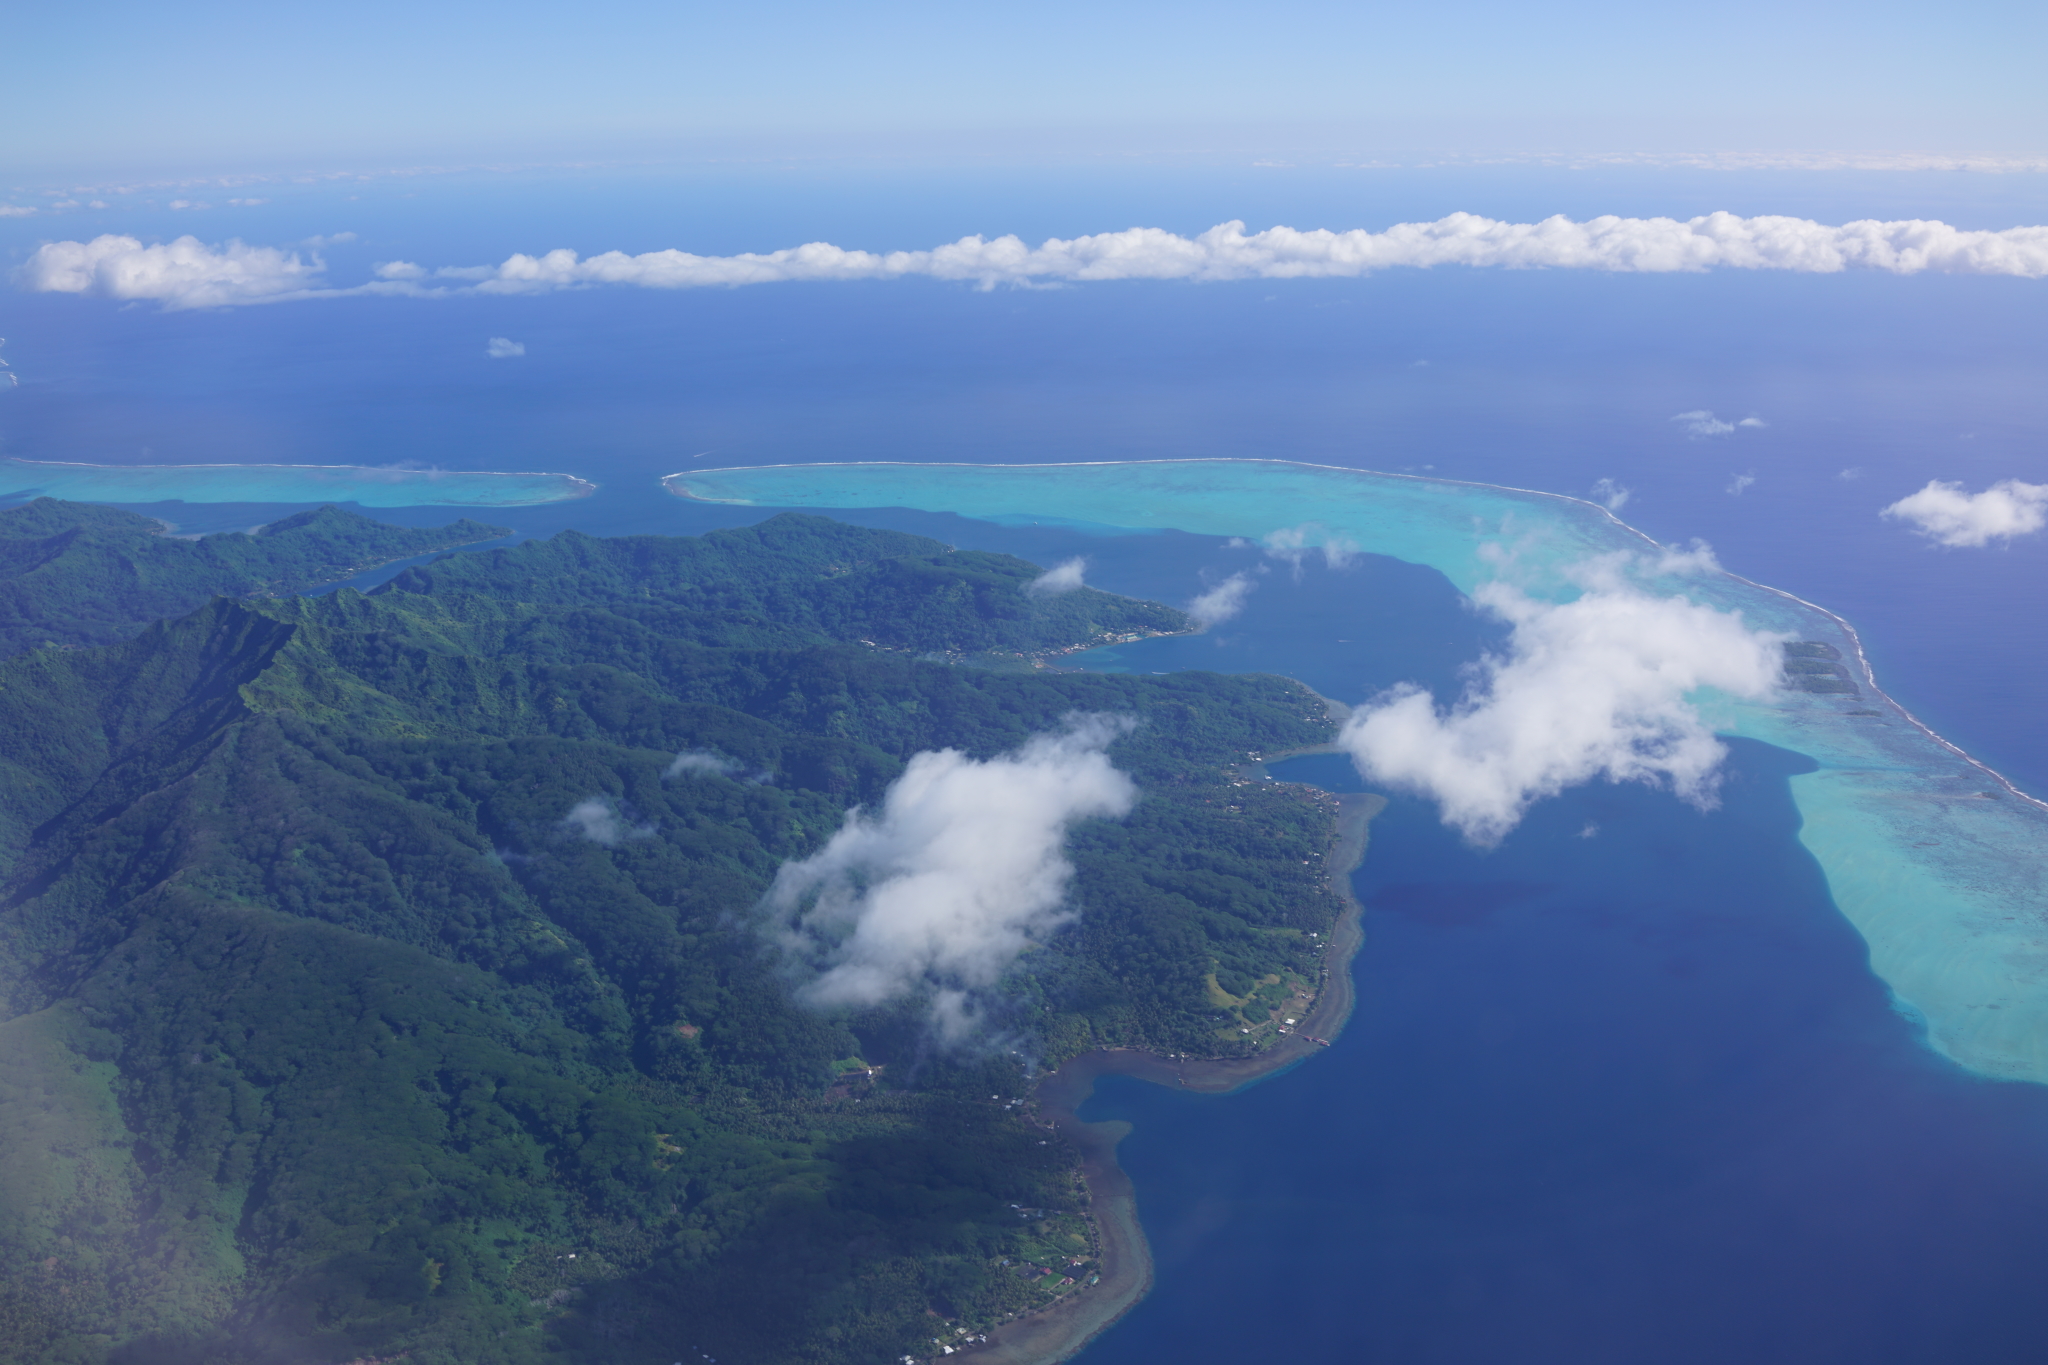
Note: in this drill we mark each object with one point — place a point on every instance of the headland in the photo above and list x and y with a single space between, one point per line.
1124 1271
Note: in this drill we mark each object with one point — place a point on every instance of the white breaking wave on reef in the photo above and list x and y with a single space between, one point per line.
188 273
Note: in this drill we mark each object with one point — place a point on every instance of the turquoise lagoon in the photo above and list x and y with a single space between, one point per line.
363 485
1936 860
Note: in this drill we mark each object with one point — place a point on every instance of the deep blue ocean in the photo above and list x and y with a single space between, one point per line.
1632 1097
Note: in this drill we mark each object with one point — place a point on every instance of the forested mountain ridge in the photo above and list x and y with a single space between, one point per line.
328 1036
76 574
827 582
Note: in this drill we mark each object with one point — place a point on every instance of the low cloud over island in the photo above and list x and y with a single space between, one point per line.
961 870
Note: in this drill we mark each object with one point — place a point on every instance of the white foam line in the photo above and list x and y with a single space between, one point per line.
1870 679
1862 659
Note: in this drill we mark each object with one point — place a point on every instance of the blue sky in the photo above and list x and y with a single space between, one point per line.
147 88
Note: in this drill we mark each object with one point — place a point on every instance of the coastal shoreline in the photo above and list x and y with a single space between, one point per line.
1059 1331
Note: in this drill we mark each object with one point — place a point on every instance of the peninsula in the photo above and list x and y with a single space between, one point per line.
380 973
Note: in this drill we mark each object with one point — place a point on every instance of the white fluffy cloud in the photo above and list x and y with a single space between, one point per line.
1062 577
185 273
1611 494
1223 601
1594 688
205 276
961 870
504 348
1947 515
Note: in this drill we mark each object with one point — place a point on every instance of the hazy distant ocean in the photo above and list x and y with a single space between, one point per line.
1626 1099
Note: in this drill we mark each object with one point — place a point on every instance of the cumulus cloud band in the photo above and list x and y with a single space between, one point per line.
186 273
1228 252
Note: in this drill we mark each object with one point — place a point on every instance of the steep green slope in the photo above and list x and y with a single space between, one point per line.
75 574
328 1037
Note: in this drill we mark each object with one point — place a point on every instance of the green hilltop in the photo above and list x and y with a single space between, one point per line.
326 1040
75 574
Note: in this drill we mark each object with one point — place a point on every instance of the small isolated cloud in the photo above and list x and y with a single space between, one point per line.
1700 423
1599 687
1292 544
252 203
16 211
1611 495
1223 601
504 348
1740 482
595 818
1063 577
960 872
701 763
1947 515
319 240
1851 474
1752 422
1696 558
185 273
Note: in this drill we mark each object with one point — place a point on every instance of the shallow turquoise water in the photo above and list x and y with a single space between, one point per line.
277 483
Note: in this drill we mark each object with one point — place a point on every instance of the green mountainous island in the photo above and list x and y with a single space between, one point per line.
329 1038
